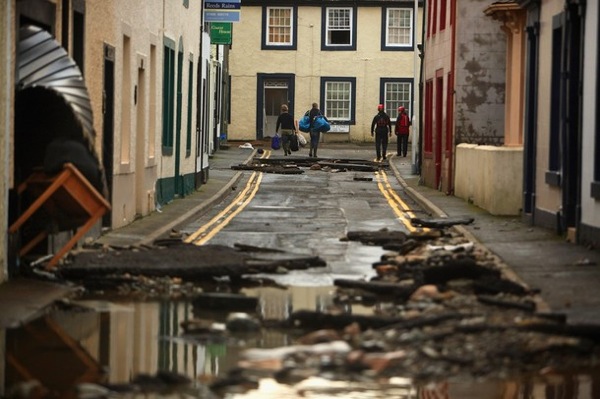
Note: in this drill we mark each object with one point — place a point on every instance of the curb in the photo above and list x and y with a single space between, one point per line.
222 193
434 210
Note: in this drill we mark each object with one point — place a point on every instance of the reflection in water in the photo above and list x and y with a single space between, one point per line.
107 342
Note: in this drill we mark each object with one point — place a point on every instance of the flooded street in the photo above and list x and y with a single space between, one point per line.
313 287
128 339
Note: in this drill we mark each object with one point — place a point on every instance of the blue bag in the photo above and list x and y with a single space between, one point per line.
304 124
321 124
276 142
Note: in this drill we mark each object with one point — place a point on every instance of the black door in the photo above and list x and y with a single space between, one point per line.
108 101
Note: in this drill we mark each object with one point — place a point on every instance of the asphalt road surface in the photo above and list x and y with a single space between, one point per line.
310 214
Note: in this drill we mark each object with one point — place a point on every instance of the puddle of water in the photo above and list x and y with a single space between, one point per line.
111 342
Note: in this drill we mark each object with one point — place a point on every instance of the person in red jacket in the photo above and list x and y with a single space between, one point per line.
402 124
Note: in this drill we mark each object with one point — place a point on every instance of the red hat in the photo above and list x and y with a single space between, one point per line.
380 107
401 109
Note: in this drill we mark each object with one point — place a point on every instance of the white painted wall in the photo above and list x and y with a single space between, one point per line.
590 207
7 84
548 198
146 23
490 177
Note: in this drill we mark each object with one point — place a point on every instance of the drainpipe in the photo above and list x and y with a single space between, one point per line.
415 115
452 160
7 39
419 161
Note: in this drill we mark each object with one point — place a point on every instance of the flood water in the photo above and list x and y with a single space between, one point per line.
112 342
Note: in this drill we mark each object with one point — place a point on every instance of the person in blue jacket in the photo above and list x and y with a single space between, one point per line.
315 135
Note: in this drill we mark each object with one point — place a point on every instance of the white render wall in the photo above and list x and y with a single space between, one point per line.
548 198
590 207
146 23
7 83
490 177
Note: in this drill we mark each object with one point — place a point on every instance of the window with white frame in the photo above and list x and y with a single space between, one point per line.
396 93
339 26
398 27
338 99
279 26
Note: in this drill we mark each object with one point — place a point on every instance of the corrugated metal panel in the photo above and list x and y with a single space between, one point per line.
42 62
52 105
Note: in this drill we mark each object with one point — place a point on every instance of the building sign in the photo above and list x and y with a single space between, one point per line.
220 33
222 11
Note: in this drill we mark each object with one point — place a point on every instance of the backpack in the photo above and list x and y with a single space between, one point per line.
382 121
276 142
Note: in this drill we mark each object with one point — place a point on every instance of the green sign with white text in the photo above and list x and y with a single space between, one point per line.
220 33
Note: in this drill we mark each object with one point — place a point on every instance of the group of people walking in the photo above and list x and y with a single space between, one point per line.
289 127
381 129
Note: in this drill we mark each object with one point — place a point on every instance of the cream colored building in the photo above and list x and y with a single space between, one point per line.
155 86
348 59
7 55
148 143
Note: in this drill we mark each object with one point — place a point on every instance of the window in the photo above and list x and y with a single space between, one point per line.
398 28
396 93
338 99
168 96
339 31
279 28
190 94
434 18
428 137
553 174
443 7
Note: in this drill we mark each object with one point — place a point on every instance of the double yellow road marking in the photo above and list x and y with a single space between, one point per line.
400 208
218 223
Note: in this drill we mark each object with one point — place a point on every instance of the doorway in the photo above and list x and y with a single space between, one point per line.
108 95
439 127
273 91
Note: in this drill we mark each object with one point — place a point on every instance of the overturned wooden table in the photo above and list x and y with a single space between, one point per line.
67 195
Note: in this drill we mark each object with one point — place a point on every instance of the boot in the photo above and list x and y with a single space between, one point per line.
315 153
310 153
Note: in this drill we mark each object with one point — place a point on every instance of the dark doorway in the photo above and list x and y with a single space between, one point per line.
273 90
530 142
108 99
572 53
439 127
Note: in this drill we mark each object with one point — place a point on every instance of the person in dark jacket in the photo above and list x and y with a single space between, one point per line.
285 121
382 128
315 135
402 125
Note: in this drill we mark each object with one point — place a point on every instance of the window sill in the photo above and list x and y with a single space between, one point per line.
595 190
552 178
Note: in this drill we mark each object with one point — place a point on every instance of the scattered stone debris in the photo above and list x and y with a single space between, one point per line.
439 223
292 165
171 263
442 307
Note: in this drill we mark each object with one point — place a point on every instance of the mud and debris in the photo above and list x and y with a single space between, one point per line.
294 165
441 307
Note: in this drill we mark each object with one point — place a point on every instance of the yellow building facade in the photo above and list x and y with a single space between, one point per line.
347 59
